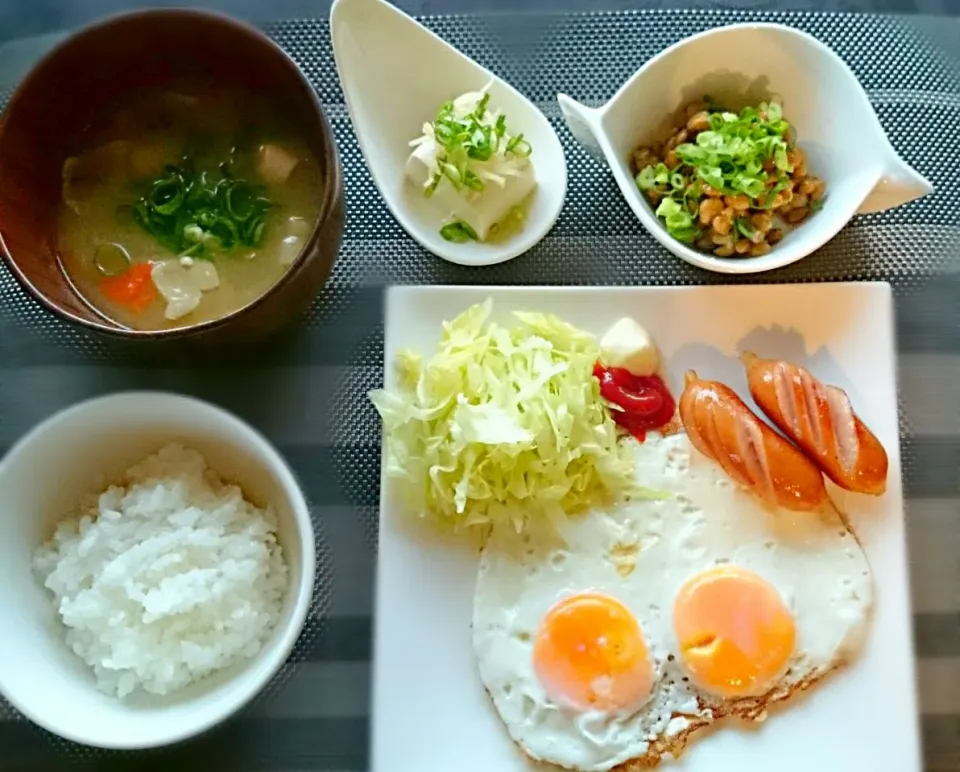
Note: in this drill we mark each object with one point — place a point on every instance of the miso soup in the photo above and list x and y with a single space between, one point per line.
184 205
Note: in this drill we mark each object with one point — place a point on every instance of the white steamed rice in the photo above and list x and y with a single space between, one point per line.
166 579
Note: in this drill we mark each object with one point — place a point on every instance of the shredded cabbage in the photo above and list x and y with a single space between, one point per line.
504 425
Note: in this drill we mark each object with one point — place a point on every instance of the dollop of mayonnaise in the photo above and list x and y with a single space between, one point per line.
628 345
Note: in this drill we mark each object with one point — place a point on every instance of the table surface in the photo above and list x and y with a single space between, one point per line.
318 718
23 18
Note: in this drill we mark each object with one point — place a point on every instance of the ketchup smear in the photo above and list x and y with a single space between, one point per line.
646 401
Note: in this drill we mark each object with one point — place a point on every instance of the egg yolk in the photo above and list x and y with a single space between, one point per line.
735 633
589 654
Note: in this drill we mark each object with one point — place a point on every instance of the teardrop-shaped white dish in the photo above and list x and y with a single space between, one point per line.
395 74
834 122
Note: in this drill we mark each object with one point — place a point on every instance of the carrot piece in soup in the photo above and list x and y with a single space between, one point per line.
134 288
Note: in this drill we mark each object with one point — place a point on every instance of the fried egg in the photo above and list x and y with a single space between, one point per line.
617 641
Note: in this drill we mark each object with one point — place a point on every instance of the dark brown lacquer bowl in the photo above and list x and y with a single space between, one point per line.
96 68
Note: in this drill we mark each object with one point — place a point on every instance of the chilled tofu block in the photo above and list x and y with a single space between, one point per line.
481 210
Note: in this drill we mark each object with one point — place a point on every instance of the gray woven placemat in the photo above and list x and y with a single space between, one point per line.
310 397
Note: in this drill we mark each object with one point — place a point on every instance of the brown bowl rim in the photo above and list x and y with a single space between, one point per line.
332 190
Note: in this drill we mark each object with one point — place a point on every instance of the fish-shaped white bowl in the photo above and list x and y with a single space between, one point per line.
745 64
395 74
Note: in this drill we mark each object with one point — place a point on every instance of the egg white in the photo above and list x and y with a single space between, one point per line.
641 553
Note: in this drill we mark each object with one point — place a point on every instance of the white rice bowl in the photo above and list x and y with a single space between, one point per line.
166 578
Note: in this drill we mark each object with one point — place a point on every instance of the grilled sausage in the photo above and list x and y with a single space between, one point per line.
724 429
821 421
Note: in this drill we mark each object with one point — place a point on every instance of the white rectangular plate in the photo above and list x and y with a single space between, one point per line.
430 712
